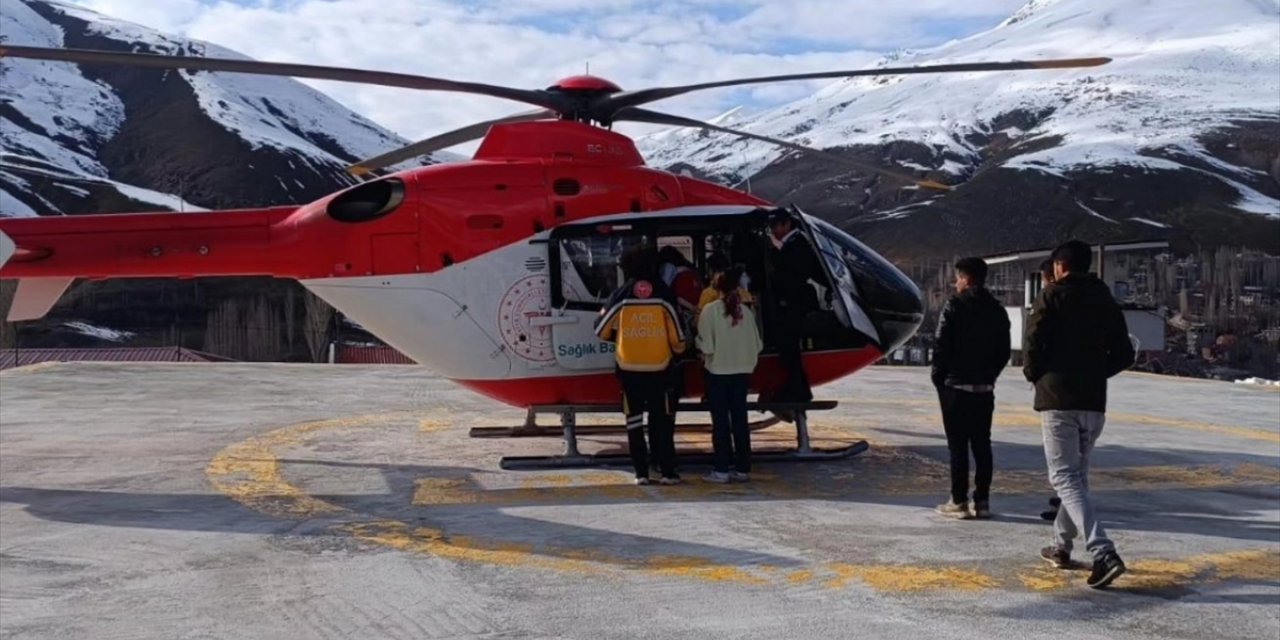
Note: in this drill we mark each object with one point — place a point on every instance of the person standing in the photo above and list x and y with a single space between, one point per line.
1076 339
730 344
794 265
641 319
1046 279
972 346
717 265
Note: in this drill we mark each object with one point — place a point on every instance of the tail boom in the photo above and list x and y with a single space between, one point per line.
146 245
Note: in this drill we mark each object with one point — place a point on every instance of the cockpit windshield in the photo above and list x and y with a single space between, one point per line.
887 295
876 282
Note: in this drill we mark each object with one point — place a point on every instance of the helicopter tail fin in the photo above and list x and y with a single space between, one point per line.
34 296
7 248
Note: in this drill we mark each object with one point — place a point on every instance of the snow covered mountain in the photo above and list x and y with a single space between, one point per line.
1179 137
104 139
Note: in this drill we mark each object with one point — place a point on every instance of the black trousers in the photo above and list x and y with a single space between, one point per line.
730 435
966 418
788 336
645 392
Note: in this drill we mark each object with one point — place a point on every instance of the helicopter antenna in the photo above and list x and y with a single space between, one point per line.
588 63
748 172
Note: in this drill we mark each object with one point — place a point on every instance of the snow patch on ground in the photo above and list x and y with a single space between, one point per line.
1150 222
171 202
1095 213
1260 381
102 333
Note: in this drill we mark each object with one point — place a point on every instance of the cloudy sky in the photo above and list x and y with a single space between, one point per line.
531 43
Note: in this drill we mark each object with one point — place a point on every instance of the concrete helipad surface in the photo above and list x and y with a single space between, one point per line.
273 501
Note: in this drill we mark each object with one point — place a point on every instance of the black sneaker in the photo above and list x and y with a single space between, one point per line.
1106 570
982 510
1057 557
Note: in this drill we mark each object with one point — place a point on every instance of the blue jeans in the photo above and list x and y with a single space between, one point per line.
1069 437
730 435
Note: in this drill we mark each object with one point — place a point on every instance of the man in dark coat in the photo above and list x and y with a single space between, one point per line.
971 349
1076 339
794 264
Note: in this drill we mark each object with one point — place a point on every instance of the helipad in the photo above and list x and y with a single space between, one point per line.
273 501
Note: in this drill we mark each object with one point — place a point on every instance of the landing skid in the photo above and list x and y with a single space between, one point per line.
796 412
531 428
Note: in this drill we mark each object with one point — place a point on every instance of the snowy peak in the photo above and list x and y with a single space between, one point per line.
1178 136
97 138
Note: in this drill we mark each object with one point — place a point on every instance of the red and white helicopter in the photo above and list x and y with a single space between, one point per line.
489 271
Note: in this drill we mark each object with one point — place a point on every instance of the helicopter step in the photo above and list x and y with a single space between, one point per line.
796 412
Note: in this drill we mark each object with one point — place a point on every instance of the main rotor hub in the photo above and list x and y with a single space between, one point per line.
584 83
578 96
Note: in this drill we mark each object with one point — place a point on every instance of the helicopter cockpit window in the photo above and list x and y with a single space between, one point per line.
874 280
589 270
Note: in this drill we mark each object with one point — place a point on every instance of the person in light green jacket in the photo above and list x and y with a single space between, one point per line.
730 344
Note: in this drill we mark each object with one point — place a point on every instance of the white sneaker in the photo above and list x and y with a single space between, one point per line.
643 481
738 476
957 510
718 477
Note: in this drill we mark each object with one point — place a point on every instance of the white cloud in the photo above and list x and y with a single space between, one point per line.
531 43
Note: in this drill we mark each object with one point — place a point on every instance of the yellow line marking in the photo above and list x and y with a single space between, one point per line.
1008 415
1150 574
1206 427
908 579
431 425
249 472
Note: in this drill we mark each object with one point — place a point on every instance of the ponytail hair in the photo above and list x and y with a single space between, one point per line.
727 284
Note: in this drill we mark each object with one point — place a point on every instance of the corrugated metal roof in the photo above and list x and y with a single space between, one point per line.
10 358
351 354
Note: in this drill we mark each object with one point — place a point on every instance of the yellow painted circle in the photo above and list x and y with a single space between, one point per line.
249 472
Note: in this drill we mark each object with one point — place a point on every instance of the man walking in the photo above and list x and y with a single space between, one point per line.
1076 339
972 347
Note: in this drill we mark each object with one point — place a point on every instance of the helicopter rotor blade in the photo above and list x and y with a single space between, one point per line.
634 114
442 141
617 101
339 74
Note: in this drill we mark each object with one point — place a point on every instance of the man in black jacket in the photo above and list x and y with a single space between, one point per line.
971 349
1076 339
794 265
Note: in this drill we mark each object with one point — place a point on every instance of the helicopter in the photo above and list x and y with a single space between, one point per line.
492 271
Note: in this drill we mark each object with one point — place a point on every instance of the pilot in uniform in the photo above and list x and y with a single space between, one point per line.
794 265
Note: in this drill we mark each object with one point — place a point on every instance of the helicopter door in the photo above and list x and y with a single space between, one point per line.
588 273
844 291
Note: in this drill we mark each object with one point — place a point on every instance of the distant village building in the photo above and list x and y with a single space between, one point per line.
1015 277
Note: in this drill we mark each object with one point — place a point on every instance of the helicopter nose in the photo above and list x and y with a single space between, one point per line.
887 298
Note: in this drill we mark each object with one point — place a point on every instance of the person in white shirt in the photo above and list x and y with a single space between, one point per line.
730 344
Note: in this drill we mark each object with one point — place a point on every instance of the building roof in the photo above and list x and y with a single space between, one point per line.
355 354
10 358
